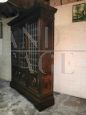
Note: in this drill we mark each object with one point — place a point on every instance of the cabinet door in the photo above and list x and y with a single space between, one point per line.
32 53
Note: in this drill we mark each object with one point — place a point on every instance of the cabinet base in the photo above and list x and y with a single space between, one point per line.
39 103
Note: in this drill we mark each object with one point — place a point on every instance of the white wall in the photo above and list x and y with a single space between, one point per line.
5 49
70 53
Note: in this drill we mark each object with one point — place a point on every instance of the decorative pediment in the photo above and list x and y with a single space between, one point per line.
7 10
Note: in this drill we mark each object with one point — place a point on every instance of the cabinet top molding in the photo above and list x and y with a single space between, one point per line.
35 11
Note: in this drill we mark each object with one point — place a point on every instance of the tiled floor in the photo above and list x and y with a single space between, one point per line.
12 103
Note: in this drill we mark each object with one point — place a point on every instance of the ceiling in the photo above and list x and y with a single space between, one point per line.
62 2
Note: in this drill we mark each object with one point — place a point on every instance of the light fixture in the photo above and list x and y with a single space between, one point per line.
2 1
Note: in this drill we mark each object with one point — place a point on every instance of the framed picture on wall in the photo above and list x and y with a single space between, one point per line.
79 12
1 31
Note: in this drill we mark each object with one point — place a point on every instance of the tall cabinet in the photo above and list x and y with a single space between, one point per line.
32 51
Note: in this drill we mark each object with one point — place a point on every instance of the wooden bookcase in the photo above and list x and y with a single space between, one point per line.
32 54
